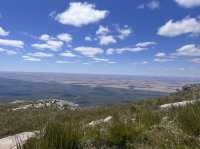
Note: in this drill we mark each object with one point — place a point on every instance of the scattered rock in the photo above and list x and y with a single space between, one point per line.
97 122
178 104
11 142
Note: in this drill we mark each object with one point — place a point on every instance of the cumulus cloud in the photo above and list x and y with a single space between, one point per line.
102 30
141 46
45 37
8 52
31 59
3 32
186 26
96 59
151 5
40 54
12 43
124 32
68 54
188 50
163 57
130 49
89 51
158 59
160 54
100 59
53 45
64 62
79 14
65 37
110 51
145 44
88 38
188 3
106 40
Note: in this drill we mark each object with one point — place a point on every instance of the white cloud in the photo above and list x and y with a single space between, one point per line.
89 51
124 32
8 52
186 26
103 60
87 38
12 43
130 49
158 59
40 54
29 58
45 37
145 62
79 14
163 57
65 37
106 40
111 62
3 32
188 50
151 5
53 45
160 54
100 59
64 62
86 63
141 46
196 60
188 3
68 54
110 51
102 30
145 44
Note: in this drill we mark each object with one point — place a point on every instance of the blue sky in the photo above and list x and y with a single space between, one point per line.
140 37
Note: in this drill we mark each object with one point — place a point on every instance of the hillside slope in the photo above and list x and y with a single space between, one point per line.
140 125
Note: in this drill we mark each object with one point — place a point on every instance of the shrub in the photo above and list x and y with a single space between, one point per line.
58 136
188 119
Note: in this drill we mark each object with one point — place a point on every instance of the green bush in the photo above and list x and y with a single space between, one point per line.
146 118
188 119
58 136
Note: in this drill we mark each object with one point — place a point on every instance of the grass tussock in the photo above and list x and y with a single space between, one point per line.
188 119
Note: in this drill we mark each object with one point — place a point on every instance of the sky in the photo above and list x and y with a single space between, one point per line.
134 37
